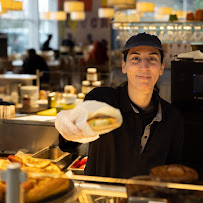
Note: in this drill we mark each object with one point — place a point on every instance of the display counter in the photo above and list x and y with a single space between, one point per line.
29 132
24 79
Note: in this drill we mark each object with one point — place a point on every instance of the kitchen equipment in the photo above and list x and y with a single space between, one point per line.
186 81
76 171
55 155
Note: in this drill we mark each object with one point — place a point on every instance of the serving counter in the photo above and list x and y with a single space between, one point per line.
28 132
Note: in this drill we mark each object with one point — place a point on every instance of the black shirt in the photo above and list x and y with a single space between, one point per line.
147 115
117 154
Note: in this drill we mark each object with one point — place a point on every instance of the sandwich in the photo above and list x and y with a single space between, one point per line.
102 123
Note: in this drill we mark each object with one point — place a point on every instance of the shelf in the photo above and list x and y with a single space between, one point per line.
158 22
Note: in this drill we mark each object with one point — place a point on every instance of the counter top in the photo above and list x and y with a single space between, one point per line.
31 120
18 76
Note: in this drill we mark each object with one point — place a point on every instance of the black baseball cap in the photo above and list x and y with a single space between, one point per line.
142 39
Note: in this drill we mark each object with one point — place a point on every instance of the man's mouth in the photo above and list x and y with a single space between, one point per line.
143 76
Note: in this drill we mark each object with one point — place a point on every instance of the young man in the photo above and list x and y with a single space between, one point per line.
152 129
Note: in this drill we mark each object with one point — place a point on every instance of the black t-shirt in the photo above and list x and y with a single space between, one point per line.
147 116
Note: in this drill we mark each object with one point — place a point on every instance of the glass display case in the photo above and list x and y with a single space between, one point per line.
168 32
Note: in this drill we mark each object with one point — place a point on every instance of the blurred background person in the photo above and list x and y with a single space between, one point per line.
89 39
98 55
45 45
68 41
33 62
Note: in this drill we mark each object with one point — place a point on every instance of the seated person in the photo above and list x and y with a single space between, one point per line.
33 62
45 46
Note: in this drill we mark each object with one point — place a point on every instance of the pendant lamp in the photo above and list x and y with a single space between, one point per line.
45 15
58 15
73 6
105 12
144 7
11 5
77 15
122 3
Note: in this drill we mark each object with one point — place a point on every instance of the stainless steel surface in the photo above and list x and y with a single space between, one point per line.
24 79
103 193
55 155
30 135
139 182
76 171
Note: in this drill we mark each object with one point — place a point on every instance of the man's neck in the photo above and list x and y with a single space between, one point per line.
141 99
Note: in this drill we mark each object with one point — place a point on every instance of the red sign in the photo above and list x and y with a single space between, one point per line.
88 5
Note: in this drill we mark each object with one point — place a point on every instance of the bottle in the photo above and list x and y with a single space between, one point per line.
91 74
96 84
86 86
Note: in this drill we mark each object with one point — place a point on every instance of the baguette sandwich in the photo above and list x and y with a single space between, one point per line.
102 123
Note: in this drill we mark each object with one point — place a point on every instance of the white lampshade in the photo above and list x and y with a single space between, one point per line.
11 5
122 3
45 15
180 13
77 15
144 7
73 6
58 15
105 12
164 10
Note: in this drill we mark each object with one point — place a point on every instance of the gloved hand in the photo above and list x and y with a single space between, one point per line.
73 125
65 124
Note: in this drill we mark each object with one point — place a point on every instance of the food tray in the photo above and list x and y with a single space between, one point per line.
55 155
76 171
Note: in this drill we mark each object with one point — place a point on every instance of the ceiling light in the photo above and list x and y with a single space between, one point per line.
77 15
45 15
122 3
58 15
144 7
105 12
73 6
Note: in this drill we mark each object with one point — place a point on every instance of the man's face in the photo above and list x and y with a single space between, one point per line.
143 67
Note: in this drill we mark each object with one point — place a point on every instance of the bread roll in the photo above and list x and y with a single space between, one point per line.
104 123
47 189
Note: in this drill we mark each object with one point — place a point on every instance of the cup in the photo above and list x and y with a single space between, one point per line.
32 92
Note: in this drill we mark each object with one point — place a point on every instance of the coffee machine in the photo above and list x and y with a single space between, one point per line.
187 96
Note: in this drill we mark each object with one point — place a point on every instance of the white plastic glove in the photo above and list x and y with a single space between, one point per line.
65 124
73 126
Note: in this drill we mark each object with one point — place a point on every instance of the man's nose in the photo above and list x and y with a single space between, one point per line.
144 64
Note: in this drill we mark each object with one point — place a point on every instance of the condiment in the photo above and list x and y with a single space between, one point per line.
7 110
81 95
92 74
86 86
96 84
51 100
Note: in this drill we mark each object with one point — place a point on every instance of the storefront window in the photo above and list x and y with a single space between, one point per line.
24 29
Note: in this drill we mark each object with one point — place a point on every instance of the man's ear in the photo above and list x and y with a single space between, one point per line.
123 67
162 68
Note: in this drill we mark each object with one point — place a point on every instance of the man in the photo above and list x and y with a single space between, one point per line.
45 46
34 62
68 42
152 129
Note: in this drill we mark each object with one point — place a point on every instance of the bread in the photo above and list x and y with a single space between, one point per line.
47 188
173 173
37 188
2 191
101 123
35 162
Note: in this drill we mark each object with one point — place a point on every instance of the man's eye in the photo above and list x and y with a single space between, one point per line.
152 59
136 58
